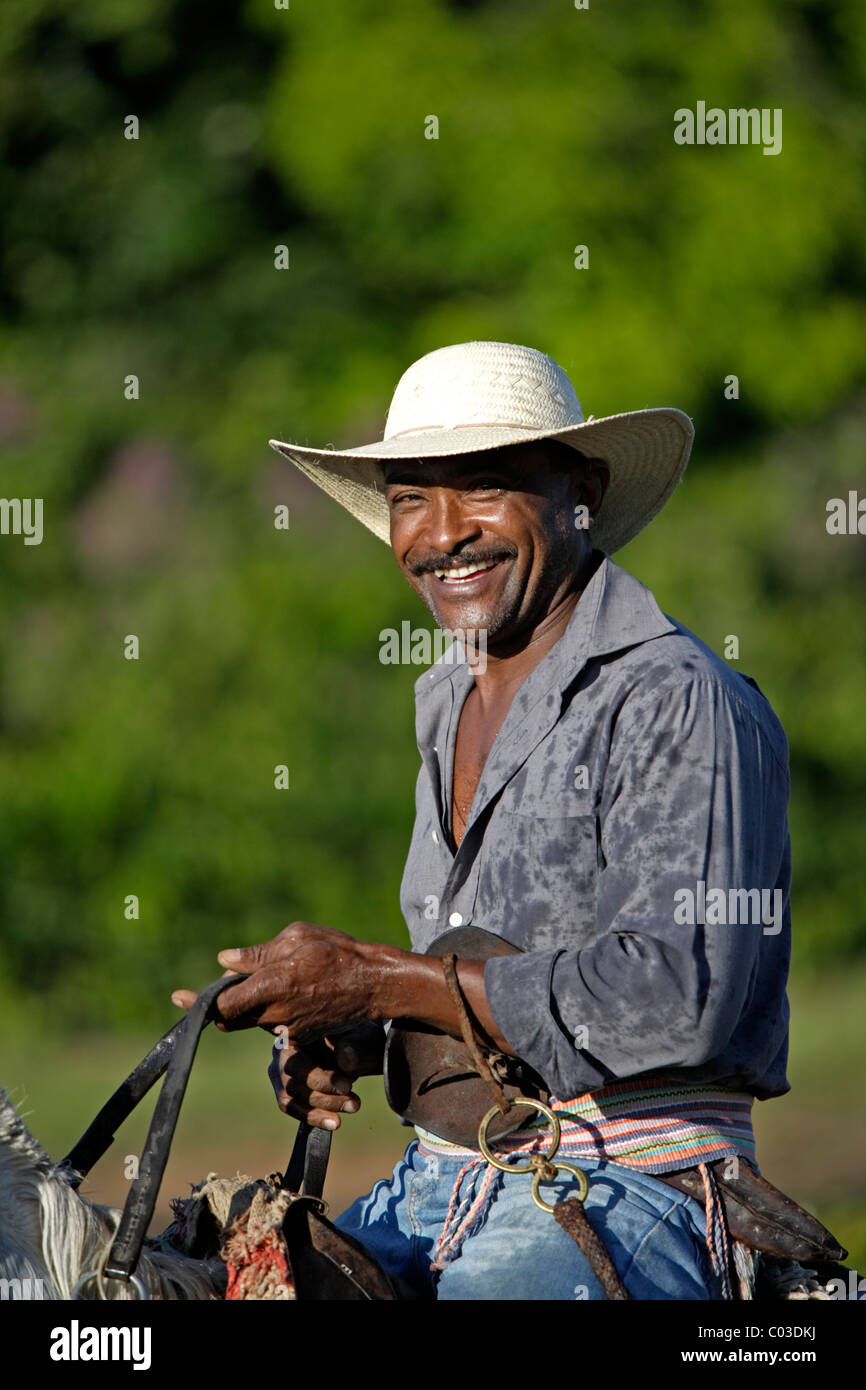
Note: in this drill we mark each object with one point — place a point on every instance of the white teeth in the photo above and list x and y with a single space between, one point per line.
464 571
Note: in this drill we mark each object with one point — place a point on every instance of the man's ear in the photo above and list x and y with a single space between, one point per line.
590 483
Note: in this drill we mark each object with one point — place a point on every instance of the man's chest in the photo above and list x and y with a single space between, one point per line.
476 735
530 858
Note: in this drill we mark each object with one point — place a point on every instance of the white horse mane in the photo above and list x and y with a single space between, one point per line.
51 1234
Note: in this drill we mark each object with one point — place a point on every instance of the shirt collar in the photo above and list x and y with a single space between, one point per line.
614 612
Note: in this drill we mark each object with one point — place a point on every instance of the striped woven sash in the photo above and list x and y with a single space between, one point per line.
658 1126
652 1123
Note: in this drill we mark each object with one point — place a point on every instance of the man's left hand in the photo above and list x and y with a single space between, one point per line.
308 978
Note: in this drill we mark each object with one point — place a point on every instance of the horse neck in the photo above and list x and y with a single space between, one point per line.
46 1225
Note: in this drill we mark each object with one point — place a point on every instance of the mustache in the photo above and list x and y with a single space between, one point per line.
453 562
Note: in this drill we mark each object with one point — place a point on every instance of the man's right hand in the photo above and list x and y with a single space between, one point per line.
314 1083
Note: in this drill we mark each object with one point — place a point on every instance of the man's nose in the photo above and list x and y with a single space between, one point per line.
448 522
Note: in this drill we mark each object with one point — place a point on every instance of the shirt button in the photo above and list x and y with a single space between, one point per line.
455 920
435 837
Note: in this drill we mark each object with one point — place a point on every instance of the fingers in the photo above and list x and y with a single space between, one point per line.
305 1077
244 959
316 1107
319 1115
303 976
261 1000
249 958
306 1090
246 1004
184 998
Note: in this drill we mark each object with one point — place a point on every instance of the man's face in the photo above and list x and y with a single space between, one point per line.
488 541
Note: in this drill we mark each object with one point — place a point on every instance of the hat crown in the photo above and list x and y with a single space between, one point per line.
481 384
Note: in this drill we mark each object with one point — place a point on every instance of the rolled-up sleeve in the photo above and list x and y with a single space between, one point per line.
692 809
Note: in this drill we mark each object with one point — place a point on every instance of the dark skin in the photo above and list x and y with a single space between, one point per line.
508 517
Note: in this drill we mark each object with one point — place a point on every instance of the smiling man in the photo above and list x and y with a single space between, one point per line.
602 761
488 543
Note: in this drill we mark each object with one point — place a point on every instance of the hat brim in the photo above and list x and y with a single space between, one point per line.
645 450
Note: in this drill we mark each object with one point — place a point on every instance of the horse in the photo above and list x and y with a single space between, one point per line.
51 1237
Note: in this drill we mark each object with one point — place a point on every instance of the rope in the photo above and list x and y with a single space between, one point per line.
251 1243
717 1230
465 1216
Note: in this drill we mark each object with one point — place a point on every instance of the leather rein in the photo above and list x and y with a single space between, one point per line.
172 1056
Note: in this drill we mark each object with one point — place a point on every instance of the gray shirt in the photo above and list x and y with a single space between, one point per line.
629 834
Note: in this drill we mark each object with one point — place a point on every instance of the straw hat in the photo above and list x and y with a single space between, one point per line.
476 396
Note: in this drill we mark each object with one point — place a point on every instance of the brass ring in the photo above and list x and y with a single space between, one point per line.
578 1173
518 1167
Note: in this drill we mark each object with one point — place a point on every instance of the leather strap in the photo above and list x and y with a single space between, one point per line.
481 1056
308 1164
99 1136
141 1199
574 1221
761 1216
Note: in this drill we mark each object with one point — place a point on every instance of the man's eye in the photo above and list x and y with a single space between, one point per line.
488 485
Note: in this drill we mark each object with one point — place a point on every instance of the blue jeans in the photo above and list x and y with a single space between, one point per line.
653 1233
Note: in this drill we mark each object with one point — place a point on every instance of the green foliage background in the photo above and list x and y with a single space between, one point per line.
305 127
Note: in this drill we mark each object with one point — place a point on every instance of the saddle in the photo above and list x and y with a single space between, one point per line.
432 1080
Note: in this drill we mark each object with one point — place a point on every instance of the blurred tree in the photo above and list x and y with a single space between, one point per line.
155 256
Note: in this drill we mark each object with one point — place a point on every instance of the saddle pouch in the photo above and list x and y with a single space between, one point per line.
430 1077
761 1216
329 1265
